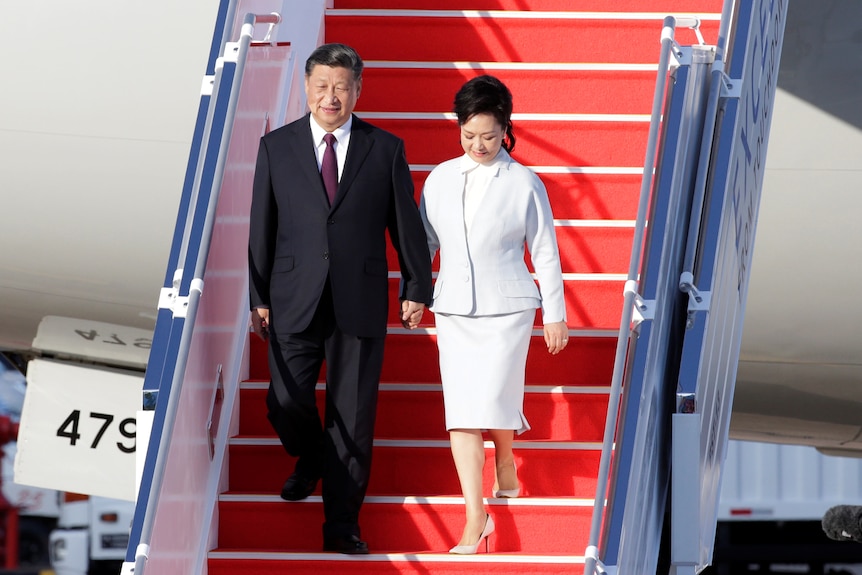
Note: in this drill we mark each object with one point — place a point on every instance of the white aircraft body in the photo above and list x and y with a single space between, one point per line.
99 103
99 106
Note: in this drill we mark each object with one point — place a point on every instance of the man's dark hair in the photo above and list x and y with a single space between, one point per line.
335 56
486 95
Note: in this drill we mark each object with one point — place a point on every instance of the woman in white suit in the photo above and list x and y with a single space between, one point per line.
480 211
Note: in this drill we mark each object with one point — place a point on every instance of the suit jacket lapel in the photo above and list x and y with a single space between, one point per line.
303 149
361 143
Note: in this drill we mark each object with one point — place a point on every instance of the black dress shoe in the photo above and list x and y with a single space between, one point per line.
298 487
347 544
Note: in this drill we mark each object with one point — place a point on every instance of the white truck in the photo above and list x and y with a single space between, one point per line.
772 501
91 536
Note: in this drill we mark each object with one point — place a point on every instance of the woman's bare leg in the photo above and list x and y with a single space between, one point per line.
507 478
468 451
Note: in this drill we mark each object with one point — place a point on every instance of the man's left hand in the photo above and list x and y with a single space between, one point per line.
411 313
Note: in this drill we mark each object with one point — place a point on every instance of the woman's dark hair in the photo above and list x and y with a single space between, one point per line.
486 95
335 56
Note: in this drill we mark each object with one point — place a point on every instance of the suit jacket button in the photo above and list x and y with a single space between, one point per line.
326 255
330 222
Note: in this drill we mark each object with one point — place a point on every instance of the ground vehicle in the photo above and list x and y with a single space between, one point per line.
772 500
91 536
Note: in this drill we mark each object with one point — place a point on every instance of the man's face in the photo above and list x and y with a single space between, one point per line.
332 95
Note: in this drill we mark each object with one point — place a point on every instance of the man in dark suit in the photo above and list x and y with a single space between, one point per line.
319 282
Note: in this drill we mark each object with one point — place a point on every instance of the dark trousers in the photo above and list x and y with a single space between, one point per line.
338 448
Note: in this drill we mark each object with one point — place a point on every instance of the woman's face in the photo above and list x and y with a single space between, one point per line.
482 137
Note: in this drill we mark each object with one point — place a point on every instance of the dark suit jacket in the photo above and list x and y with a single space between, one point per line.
296 240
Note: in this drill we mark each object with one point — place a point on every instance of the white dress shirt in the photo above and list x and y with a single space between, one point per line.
342 136
477 178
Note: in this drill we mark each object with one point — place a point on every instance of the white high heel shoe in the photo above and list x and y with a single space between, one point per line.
471 549
508 493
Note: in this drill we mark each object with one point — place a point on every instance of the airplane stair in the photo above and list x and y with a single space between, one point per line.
583 83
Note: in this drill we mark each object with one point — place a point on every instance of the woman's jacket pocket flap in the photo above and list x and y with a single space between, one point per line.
438 288
518 288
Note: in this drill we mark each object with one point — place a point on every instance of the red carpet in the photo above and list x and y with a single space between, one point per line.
585 135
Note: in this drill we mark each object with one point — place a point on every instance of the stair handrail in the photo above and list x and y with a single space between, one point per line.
194 292
631 297
718 81
686 281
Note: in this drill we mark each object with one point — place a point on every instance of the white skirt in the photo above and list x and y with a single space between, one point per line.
482 364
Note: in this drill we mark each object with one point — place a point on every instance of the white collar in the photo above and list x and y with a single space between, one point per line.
340 133
501 160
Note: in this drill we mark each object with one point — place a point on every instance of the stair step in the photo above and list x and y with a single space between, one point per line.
543 142
229 562
415 411
405 524
536 90
592 301
545 469
510 37
586 247
587 196
665 6
412 358
601 247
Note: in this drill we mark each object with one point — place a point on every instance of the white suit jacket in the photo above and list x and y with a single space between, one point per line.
483 271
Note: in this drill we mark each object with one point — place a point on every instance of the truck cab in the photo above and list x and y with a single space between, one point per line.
91 536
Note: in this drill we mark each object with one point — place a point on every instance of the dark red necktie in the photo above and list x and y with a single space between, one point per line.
329 168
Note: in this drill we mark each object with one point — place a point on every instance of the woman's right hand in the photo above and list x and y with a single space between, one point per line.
556 336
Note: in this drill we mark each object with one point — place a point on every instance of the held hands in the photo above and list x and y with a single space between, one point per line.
556 336
411 313
260 322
